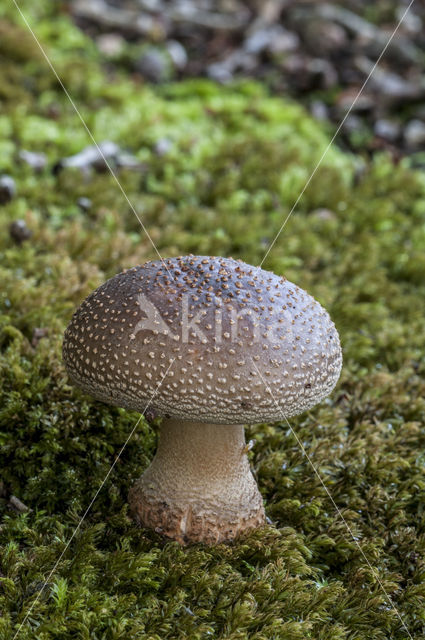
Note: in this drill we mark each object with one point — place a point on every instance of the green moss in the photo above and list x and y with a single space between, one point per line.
237 162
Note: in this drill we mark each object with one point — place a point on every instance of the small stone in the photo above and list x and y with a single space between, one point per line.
352 124
284 42
110 44
90 157
274 39
162 146
387 129
35 160
177 54
257 41
7 189
391 86
319 110
394 86
152 5
84 204
412 23
126 160
19 231
154 65
108 151
414 133
219 72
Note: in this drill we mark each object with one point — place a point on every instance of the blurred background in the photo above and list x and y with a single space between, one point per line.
319 53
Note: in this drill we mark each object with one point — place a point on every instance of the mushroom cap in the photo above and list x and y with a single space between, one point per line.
203 338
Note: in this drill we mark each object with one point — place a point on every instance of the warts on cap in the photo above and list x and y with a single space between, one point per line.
240 345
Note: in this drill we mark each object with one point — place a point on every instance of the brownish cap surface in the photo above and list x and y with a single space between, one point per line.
230 331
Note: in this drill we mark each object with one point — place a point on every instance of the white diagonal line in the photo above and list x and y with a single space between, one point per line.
91 503
333 501
335 134
102 155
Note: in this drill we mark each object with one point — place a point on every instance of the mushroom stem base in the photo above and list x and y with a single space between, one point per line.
199 487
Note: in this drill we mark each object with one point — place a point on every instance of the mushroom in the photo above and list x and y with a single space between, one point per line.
208 344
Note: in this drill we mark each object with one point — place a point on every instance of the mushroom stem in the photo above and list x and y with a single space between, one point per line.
199 487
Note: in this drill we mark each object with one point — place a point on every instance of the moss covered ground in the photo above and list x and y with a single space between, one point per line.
237 160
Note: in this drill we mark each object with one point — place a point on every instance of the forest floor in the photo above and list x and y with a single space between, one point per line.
212 168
